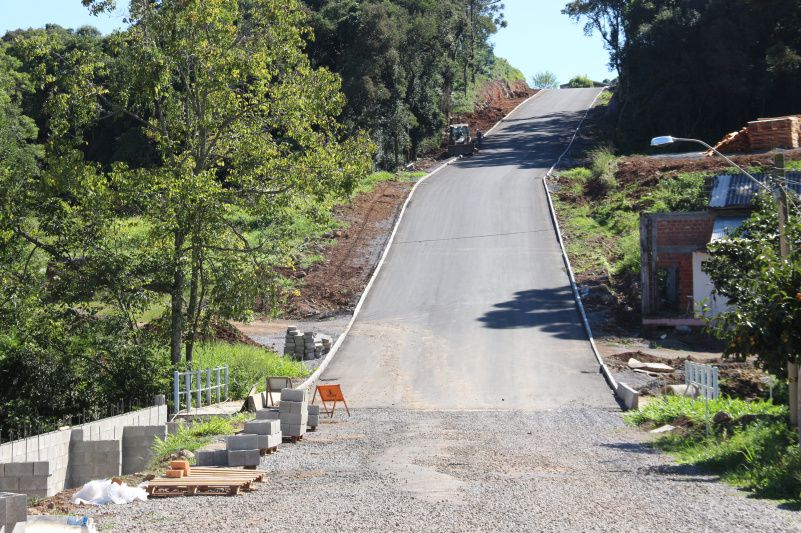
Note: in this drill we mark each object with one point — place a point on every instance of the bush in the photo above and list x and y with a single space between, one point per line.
604 166
685 192
247 365
580 81
191 437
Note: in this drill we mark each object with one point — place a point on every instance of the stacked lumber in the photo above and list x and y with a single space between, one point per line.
206 481
778 132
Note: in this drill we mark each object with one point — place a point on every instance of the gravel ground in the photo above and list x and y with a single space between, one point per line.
573 469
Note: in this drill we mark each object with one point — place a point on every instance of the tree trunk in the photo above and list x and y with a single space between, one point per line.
792 385
177 300
192 308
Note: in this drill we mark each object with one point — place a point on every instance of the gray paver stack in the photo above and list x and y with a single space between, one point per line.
303 346
293 411
246 448
314 417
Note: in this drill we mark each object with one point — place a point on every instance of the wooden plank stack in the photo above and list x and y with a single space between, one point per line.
770 133
200 480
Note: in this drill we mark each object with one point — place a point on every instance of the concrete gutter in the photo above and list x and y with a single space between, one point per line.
626 394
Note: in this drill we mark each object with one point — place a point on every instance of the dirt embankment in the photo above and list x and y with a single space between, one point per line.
350 255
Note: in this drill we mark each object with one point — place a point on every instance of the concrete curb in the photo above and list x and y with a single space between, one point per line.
320 369
621 390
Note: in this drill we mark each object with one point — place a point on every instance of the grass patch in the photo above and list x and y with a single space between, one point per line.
247 365
190 437
762 457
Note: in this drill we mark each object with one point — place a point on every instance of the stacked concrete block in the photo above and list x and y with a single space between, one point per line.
94 459
314 417
32 478
243 450
268 414
137 446
268 430
13 512
293 412
211 458
305 345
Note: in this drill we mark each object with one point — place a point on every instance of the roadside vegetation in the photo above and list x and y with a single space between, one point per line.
193 436
750 446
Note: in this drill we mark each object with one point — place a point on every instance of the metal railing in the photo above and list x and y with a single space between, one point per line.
187 384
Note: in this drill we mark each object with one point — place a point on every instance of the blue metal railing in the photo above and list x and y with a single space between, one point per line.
190 383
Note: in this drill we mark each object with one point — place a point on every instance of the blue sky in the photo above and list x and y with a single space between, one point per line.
538 38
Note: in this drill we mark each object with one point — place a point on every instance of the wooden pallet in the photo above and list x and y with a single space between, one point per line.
288 438
267 451
206 480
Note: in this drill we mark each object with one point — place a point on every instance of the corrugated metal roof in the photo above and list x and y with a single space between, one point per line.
737 190
723 225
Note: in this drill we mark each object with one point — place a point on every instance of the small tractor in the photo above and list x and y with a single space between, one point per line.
459 141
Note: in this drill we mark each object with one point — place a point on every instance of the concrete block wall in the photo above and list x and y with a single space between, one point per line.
137 442
54 449
13 512
94 459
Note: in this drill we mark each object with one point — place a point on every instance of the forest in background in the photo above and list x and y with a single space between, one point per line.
697 68
155 182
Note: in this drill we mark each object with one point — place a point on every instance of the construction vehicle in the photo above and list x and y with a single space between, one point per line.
459 140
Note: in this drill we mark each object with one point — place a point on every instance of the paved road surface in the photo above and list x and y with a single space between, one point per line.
473 308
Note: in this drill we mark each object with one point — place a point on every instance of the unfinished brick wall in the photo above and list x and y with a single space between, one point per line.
668 240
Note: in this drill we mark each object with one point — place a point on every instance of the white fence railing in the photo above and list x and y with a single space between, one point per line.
187 384
703 378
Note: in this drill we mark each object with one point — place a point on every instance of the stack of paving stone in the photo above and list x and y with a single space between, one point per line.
303 346
314 417
293 411
244 450
269 432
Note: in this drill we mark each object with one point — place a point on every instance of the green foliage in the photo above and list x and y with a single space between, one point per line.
580 81
545 80
764 289
762 457
685 192
687 71
192 437
247 365
604 166
666 409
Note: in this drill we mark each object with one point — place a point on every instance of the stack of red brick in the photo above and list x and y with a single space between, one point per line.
763 134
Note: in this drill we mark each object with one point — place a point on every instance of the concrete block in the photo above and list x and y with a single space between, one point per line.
299 419
274 440
293 407
313 421
27 484
314 410
243 442
262 427
18 469
293 430
9 483
2 469
629 396
267 414
293 395
13 511
255 402
244 457
211 458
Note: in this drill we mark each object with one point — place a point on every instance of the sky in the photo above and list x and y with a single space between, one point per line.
538 37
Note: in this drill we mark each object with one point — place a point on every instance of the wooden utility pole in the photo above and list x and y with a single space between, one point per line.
784 254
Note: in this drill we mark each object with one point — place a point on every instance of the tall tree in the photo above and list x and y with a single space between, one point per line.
243 129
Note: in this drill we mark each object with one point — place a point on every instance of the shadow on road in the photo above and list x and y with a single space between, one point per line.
551 310
526 143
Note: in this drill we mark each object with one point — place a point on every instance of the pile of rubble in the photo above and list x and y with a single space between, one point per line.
304 345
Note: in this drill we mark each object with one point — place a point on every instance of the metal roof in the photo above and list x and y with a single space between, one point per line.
725 224
737 190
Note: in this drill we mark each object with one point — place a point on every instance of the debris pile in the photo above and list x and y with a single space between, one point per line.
302 346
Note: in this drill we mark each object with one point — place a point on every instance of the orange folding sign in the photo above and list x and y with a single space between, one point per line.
330 393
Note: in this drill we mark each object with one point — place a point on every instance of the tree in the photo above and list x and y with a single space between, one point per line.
243 130
607 17
544 80
763 289
580 81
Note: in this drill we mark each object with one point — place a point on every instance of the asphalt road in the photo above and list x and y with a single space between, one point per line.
473 308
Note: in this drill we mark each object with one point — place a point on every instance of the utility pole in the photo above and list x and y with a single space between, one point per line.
784 254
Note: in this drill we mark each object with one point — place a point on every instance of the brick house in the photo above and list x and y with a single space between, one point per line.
673 247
